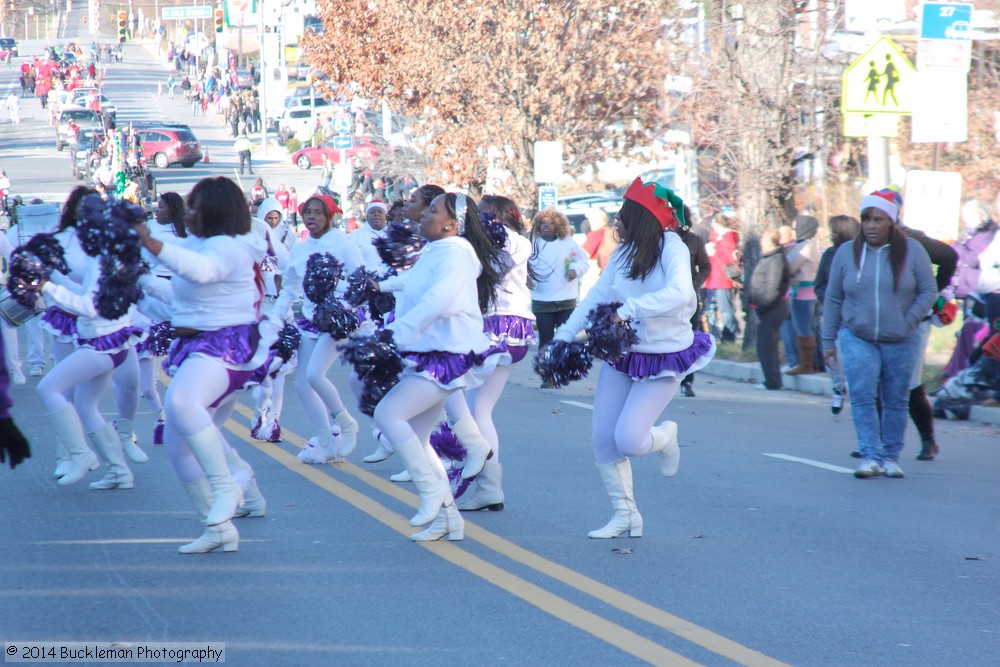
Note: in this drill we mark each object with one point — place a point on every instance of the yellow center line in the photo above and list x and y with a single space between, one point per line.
538 597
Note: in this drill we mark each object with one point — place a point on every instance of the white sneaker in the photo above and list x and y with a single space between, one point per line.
837 404
869 468
17 377
893 470
37 371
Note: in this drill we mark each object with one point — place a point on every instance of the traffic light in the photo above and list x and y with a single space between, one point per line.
219 18
122 22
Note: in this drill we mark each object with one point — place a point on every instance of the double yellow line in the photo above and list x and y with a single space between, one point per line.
612 633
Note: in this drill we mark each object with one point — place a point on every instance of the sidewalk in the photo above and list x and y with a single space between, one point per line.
817 383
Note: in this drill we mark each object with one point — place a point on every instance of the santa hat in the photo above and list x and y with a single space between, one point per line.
329 203
884 200
665 206
377 203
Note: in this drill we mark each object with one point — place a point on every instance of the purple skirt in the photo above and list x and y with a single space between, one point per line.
59 323
234 347
306 326
446 368
650 366
112 342
517 332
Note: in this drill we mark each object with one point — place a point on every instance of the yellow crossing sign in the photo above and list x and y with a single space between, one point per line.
881 80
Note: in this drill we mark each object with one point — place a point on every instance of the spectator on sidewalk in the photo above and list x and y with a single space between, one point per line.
723 253
769 296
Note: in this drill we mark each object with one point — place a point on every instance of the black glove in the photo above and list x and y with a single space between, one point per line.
12 443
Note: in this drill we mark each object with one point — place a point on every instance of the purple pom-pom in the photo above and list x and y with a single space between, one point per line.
288 341
159 338
47 248
93 215
359 286
495 229
332 318
401 245
118 287
323 272
609 340
561 363
27 273
377 364
444 442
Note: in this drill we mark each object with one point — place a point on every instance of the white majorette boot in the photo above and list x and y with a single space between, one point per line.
382 452
433 493
665 443
107 444
402 476
226 495
69 431
222 535
253 505
449 522
477 450
62 460
321 449
127 437
199 492
348 431
617 478
488 494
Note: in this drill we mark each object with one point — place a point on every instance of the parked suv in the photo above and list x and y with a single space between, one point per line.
82 117
166 144
8 44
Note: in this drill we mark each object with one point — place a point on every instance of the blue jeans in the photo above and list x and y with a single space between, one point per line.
802 316
874 369
719 306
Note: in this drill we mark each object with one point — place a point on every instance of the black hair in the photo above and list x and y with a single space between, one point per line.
641 240
175 211
897 250
428 192
68 216
396 206
222 209
489 255
506 212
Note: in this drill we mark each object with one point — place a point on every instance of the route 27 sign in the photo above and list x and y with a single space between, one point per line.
880 80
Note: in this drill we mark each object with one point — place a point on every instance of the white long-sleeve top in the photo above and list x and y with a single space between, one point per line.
334 242
81 303
76 259
659 307
164 234
364 236
437 303
214 284
549 261
989 267
513 296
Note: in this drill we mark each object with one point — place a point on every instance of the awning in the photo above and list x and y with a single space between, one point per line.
250 43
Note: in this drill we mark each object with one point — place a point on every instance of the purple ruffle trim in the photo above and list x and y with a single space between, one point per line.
58 322
307 326
446 367
512 328
112 342
641 365
233 346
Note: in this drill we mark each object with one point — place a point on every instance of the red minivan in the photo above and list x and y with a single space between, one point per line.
164 145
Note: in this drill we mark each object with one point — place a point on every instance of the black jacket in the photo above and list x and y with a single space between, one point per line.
942 255
769 281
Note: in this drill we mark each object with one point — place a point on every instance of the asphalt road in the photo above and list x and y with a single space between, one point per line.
748 558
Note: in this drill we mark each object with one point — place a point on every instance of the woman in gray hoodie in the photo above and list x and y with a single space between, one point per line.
881 287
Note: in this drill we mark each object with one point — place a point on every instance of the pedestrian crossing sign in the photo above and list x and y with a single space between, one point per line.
881 80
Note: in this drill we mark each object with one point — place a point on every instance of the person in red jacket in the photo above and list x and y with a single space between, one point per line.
723 254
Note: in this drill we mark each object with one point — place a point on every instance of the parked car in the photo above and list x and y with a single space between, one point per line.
167 144
82 152
244 79
365 148
8 44
82 117
297 122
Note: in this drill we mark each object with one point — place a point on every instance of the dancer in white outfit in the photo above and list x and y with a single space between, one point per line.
650 274
215 301
438 328
318 350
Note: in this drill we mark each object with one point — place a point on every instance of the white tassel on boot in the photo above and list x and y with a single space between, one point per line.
226 495
433 493
617 478
488 494
477 450
348 431
665 444
69 431
126 435
254 505
106 442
